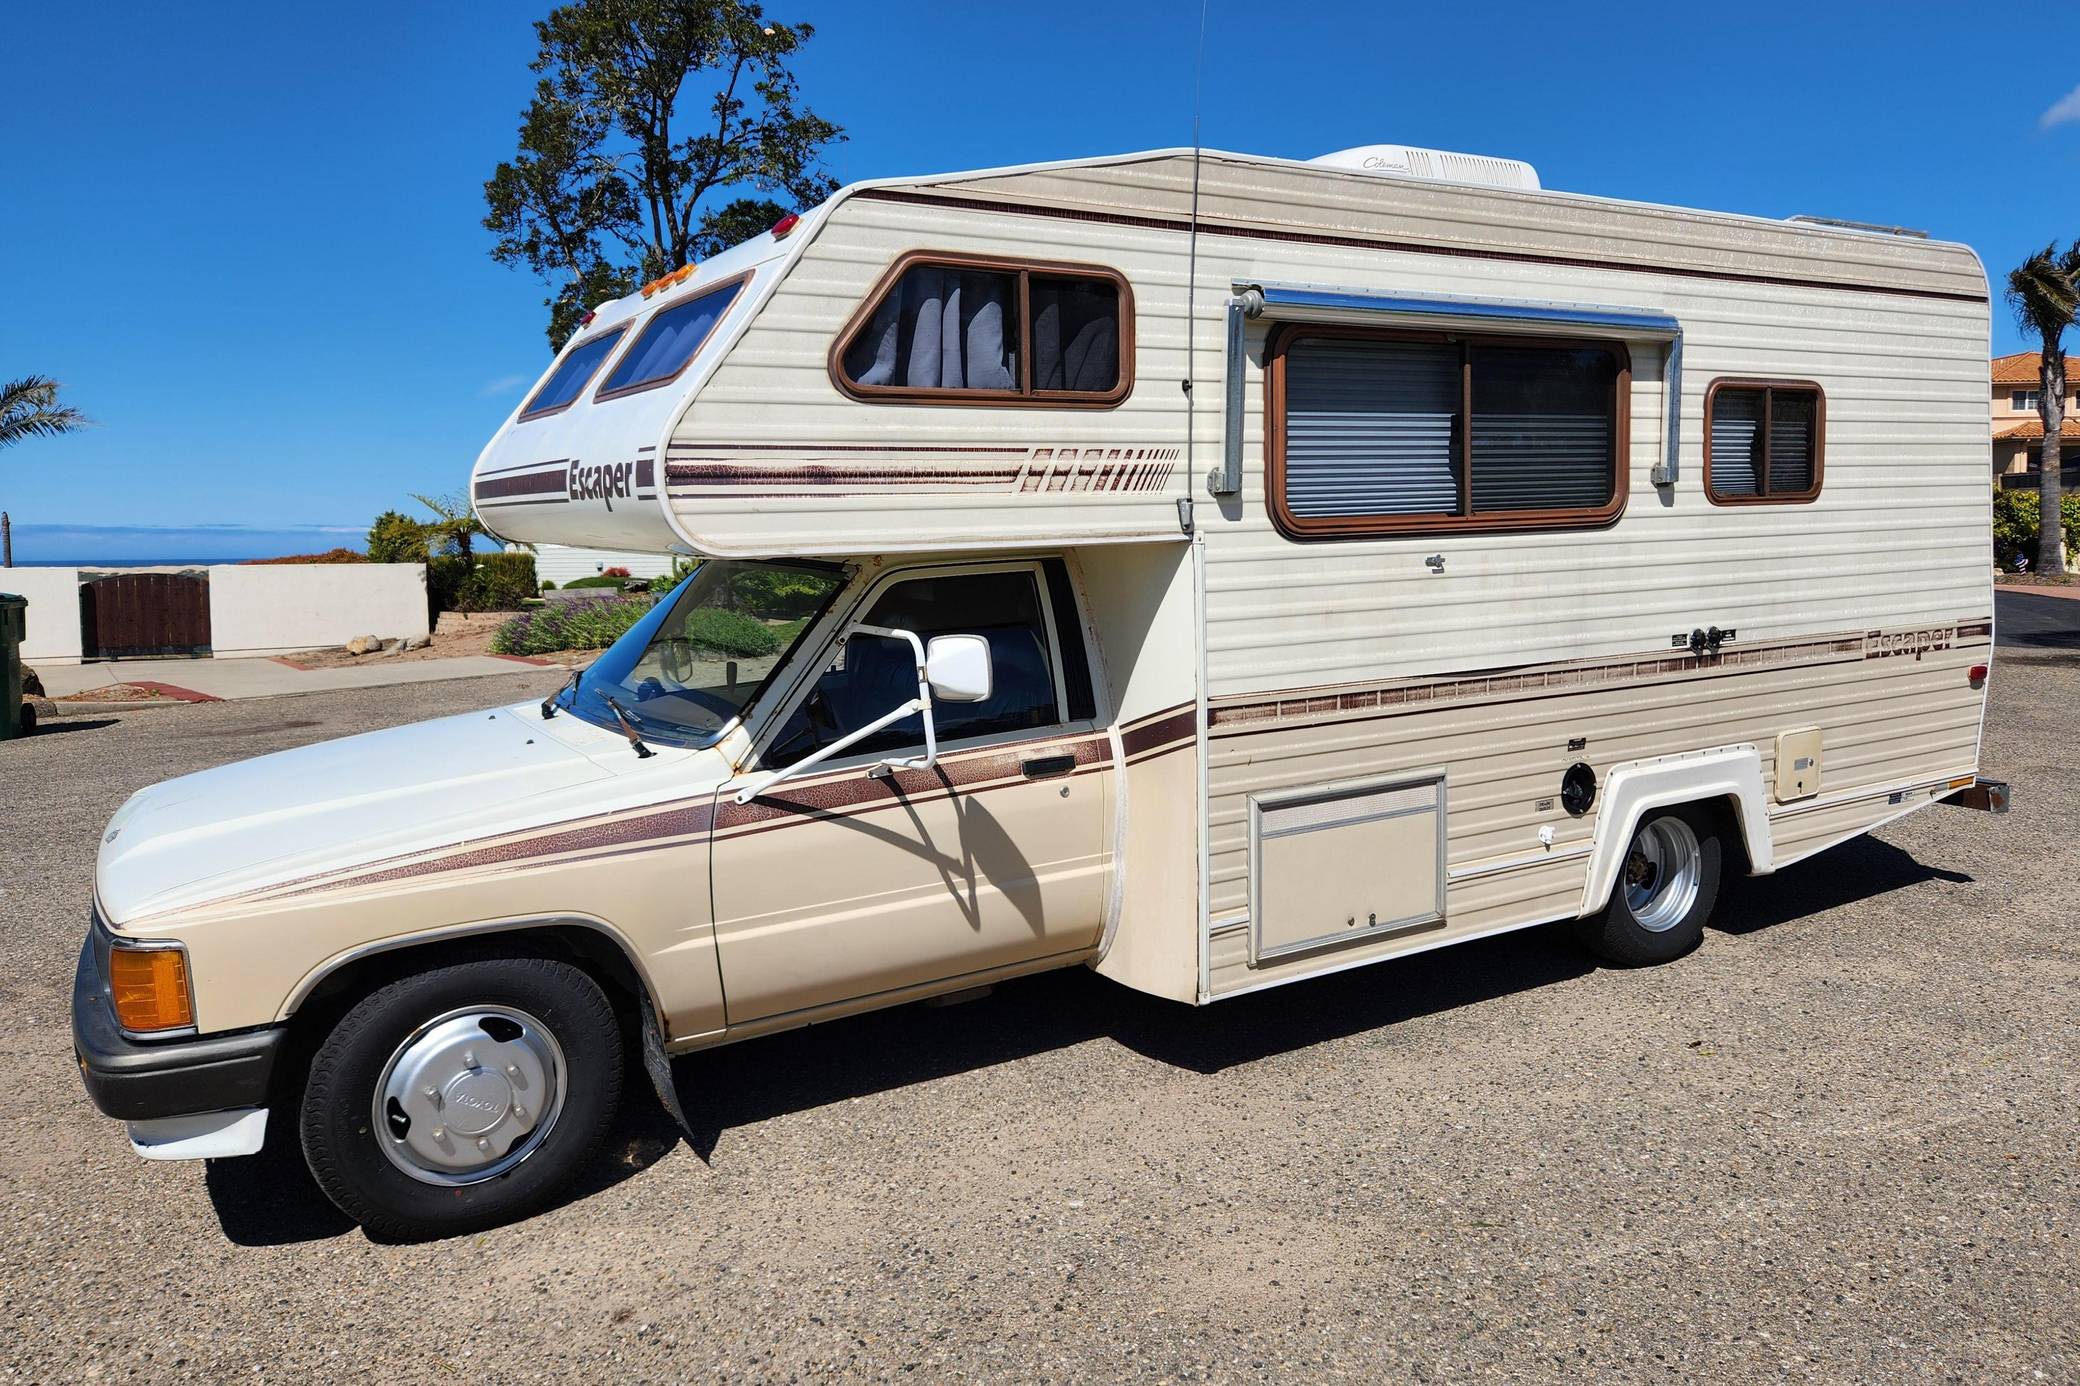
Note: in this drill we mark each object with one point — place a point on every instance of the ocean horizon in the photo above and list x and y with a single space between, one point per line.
123 562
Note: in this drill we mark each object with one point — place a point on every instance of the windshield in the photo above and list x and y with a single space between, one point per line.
697 660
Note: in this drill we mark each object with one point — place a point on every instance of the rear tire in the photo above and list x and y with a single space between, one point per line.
462 1096
1667 883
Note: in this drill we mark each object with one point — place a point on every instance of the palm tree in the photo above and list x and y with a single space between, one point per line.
29 408
2044 291
453 524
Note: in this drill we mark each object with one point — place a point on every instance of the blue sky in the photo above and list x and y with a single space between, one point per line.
247 238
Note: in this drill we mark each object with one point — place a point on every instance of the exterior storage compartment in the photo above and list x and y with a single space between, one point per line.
1340 862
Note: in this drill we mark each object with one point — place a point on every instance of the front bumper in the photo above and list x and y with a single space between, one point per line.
147 1081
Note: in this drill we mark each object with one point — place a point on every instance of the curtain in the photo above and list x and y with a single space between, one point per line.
1075 334
941 328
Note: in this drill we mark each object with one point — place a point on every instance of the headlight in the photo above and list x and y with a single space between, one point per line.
149 987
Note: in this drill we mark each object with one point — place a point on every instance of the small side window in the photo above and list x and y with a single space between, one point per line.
1764 441
571 375
675 332
951 329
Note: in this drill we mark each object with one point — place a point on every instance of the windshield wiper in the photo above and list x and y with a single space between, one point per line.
642 751
569 685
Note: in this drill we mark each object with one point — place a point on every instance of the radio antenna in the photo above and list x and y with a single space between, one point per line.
1191 288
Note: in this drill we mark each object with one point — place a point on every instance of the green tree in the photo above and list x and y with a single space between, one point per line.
647 112
397 538
29 408
2044 291
453 526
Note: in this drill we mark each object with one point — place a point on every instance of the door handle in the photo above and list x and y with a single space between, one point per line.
1044 767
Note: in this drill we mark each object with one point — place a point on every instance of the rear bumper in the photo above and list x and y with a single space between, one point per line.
147 1080
1988 796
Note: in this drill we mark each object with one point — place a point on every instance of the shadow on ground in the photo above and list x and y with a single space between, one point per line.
54 726
270 1199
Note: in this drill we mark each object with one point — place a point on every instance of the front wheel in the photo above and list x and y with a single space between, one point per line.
1666 886
461 1096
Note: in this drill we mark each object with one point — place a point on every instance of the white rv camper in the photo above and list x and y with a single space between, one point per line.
1385 554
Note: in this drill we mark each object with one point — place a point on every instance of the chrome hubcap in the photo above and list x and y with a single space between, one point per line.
469 1095
1662 874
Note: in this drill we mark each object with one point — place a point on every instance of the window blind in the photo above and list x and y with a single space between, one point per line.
1369 428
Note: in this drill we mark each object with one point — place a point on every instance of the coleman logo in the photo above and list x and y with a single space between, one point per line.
1880 644
601 481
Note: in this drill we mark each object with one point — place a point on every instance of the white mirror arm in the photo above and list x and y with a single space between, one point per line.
922 703
761 785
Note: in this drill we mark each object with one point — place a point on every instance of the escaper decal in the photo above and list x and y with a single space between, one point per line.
1886 644
601 481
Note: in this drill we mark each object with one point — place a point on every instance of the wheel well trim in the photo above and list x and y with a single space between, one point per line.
347 957
1633 789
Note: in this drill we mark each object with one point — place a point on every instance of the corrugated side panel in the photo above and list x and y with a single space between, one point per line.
1315 200
1885 721
773 458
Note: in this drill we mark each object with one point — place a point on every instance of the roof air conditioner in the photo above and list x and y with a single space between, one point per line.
1406 161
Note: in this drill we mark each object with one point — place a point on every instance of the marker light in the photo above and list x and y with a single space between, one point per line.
590 314
150 988
1977 675
785 224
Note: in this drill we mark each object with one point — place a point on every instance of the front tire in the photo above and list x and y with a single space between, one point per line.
462 1096
1667 883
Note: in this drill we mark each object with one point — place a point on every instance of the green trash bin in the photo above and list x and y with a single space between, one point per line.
17 718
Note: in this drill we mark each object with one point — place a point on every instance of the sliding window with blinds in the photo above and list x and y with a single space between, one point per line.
1380 433
1763 441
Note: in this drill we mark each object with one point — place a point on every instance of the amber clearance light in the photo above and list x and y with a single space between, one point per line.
150 987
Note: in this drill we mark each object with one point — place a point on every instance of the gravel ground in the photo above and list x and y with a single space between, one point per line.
1836 1143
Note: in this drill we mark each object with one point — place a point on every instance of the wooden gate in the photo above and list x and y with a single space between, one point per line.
127 615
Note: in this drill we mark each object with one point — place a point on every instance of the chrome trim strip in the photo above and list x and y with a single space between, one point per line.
1496 868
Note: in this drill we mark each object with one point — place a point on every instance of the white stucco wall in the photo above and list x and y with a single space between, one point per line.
53 625
254 609
273 608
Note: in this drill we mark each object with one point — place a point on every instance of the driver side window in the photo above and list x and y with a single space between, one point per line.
872 675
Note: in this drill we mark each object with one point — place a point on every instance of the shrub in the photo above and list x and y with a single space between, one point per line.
776 593
396 538
2015 526
730 633
601 580
617 573
548 586
500 582
329 556
590 624
446 576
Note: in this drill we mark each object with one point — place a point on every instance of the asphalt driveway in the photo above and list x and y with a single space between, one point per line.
1836 1143
2028 621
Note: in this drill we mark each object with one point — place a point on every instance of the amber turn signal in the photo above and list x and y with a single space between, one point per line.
150 987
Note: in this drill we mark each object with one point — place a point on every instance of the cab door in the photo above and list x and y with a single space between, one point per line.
858 879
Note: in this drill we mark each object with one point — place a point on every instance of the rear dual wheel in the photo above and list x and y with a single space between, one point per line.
461 1096
1667 884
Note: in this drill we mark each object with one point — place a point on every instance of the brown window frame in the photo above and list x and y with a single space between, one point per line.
1472 522
1025 397
603 394
617 330
1768 387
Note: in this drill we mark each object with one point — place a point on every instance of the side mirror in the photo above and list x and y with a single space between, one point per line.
957 668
